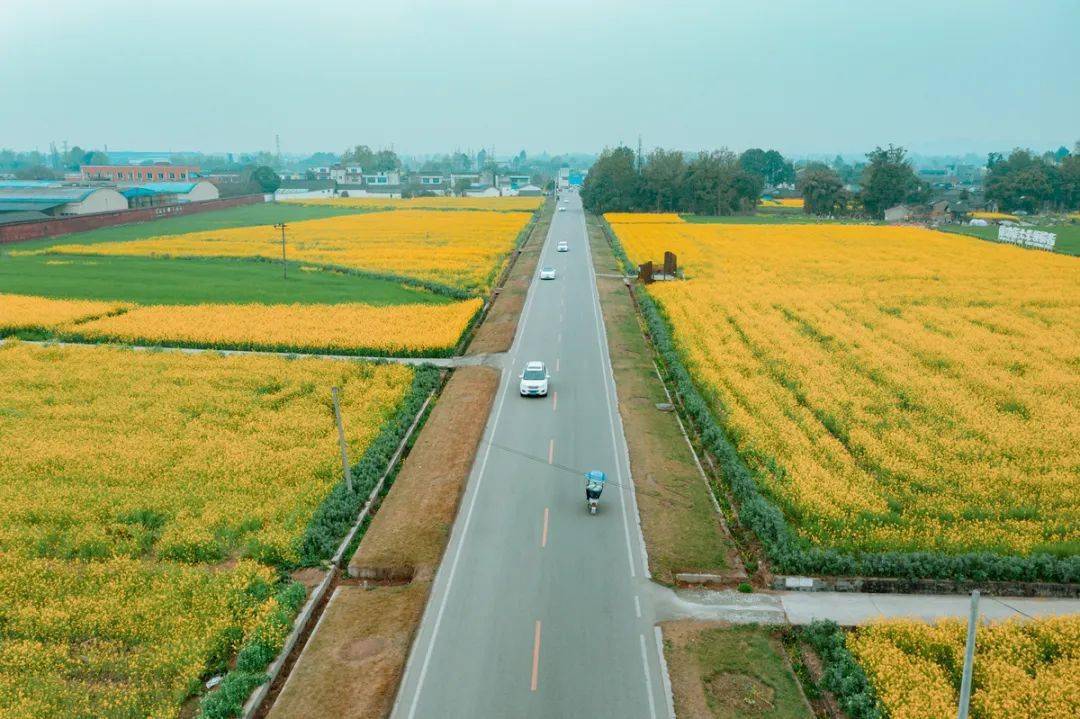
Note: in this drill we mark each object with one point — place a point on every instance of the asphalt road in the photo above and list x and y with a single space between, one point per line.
538 608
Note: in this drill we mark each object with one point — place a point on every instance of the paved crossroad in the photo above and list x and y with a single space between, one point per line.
538 609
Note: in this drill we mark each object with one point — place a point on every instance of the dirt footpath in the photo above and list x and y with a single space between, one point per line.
496 334
353 662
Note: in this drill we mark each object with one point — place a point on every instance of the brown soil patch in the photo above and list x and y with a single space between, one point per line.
742 694
685 674
352 665
413 524
496 332
309 577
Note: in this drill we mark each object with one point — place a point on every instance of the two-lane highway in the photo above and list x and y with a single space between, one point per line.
538 608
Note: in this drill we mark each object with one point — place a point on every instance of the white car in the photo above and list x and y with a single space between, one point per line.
562 246
534 380
547 273
562 208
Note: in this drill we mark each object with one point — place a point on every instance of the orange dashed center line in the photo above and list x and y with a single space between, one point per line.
536 658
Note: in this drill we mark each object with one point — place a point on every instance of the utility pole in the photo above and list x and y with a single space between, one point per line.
341 440
969 657
284 265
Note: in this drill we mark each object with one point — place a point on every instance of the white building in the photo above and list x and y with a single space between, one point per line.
61 201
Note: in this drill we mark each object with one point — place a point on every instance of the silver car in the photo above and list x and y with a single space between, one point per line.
547 273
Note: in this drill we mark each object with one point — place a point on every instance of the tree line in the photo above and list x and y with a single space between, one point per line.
717 182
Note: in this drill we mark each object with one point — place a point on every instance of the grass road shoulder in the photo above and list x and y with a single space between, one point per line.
683 532
721 671
496 334
353 662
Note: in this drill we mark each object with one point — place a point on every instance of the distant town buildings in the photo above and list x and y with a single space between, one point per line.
159 172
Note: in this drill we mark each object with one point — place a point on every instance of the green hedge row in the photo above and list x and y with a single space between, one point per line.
255 655
793 554
336 514
843 676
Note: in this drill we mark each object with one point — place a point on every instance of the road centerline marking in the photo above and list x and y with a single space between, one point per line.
543 534
551 451
637 606
556 364
536 658
554 401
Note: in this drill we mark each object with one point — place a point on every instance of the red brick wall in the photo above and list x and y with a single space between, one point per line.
36 229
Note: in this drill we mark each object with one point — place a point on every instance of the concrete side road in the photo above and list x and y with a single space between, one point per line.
538 608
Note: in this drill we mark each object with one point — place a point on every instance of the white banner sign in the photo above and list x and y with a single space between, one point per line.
1026 238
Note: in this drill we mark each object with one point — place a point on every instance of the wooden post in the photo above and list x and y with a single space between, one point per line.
341 440
670 265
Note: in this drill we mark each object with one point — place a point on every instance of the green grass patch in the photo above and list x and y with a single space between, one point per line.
267 213
148 280
1068 235
744 674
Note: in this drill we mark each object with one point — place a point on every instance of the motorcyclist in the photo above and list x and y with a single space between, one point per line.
594 485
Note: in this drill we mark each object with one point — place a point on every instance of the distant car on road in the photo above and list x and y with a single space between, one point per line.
563 246
534 380
547 273
562 208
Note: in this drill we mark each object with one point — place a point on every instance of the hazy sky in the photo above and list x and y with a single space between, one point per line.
425 76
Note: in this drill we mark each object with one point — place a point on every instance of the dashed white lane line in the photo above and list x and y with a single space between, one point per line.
644 663
551 451
637 606
554 401
544 533
556 364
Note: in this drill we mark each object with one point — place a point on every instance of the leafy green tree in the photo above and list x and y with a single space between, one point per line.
1022 181
769 164
662 179
35 172
265 179
822 190
889 180
717 185
461 185
613 184
1069 177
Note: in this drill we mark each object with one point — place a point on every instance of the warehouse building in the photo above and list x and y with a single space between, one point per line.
138 173
22 203
169 193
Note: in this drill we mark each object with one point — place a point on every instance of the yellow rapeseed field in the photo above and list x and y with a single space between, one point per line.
995 216
894 388
119 637
429 203
116 466
345 328
461 249
644 218
791 202
19 312
1023 670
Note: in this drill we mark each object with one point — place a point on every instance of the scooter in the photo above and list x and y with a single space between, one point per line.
594 485
592 504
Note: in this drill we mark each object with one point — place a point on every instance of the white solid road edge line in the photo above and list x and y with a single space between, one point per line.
606 371
614 418
648 677
475 488
659 634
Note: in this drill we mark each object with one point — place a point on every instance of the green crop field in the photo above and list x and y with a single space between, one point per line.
244 216
148 280
1068 236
